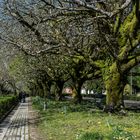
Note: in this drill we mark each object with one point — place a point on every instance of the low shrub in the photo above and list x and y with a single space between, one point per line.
38 102
6 103
132 97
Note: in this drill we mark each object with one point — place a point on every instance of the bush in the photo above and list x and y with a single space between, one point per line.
38 102
6 103
132 97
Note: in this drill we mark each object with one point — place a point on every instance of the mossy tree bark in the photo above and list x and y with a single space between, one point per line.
76 93
48 89
115 78
128 37
59 88
114 84
40 89
45 90
34 89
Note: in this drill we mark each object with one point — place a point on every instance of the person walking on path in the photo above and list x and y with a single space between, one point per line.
22 96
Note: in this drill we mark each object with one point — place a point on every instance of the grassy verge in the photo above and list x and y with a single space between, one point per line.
66 121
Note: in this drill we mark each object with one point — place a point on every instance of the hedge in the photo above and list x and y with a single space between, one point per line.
6 104
132 97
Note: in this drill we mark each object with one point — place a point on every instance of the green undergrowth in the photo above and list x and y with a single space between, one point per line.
6 103
132 97
67 121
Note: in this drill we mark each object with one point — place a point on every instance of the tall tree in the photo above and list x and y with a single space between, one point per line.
113 28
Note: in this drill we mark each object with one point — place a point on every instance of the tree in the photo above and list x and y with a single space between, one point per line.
121 39
113 33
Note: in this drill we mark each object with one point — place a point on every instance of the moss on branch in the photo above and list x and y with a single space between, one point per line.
128 28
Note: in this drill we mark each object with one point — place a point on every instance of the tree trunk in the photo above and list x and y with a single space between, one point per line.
59 88
77 97
114 83
48 88
40 89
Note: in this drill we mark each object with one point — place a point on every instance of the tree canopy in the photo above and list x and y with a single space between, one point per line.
78 40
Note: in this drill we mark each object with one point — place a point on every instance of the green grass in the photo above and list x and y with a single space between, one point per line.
66 121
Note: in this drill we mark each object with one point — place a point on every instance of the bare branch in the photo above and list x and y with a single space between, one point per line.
108 14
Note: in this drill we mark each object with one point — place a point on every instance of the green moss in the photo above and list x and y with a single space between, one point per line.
117 23
99 63
109 72
113 85
122 52
78 58
127 89
128 27
129 65
113 67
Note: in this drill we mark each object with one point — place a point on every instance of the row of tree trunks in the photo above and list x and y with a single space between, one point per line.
114 77
43 89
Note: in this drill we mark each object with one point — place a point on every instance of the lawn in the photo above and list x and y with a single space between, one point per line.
66 121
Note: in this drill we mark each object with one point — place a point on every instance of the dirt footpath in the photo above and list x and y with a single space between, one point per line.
34 133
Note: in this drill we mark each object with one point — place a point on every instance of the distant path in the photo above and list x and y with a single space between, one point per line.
15 126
